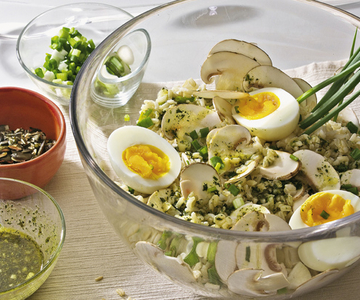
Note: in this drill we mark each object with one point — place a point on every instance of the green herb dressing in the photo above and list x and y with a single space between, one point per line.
20 258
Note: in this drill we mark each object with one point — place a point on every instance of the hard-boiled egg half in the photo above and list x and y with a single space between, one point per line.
323 207
320 208
269 113
142 159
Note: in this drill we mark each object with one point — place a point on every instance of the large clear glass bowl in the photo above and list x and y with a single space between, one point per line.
294 33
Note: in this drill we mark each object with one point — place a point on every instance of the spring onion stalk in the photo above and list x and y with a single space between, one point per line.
328 81
333 113
332 101
342 85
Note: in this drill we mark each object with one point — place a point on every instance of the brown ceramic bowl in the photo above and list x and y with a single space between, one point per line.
25 108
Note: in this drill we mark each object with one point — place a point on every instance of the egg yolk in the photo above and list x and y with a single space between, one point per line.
146 161
258 106
325 207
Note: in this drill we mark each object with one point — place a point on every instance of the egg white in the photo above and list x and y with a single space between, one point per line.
128 136
296 222
277 125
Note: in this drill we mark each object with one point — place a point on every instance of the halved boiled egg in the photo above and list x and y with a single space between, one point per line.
269 113
323 207
331 253
142 159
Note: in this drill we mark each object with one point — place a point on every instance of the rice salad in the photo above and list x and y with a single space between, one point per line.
222 210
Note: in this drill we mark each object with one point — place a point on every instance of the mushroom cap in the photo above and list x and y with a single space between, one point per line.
242 47
231 68
195 176
283 168
167 265
269 76
320 174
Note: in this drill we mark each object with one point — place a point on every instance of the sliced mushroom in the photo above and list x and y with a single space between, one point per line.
252 221
228 139
249 282
309 103
351 177
225 262
224 110
230 68
316 282
244 171
244 48
166 265
298 275
184 118
319 172
269 76
195 177
283 168
242 282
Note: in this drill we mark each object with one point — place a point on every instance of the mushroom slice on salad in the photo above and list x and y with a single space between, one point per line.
167 265
229 67
269 76
351 177
200 179
282 168
242 47
319 173
250 282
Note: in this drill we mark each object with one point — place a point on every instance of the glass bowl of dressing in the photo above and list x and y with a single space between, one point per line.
32 234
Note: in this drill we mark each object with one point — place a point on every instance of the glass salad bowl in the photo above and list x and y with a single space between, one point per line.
245 251
94 21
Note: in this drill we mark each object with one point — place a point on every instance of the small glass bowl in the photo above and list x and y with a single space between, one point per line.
115 91
93 20
38 216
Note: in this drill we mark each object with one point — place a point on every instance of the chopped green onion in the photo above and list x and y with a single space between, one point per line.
162 243
324 215
352 189
212 189
355 154
192 258
39 72
203 152
127 118
233 189
196 145
352 127
181 100
213 276
211 252
114 66
146 122
238 202
293 157
247 253
204 132
193 134
215 160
